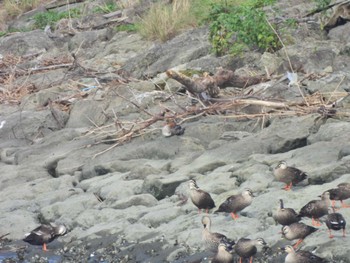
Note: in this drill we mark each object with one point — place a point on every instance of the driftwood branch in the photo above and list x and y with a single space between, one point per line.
211 84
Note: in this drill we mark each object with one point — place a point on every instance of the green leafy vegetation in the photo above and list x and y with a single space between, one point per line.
236 27
322 3
106 8
51 17
127 28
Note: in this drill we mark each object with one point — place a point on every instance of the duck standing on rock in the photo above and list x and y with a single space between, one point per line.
301 256
341 193
335 221
200 198
224 254
236 203
297 231
212 240
288 175
316 209
285 216
45 234
171 128
247 248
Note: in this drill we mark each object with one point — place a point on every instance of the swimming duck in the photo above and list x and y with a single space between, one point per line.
285 216
224 254
212 240
45 234
340 194
297 231
247 248
301 256
236 203
316 209
335 221
200 198
288 175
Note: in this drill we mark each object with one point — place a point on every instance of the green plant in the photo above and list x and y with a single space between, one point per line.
2 33
51 17
106 8
127 27
320 4
234 28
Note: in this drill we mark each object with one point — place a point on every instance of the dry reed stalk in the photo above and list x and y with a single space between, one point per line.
290 63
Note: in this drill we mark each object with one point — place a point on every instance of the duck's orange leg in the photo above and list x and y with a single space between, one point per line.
288 187
297 243
316 222
234 216
330 234
44 247
343 205
344 232
251 260
240 260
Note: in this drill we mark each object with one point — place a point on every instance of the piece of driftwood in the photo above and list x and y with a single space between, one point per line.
319 10
211 84
109 22
117 13
340 16
59 3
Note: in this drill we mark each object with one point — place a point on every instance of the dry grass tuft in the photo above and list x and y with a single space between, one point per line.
12 8
165 21
18 7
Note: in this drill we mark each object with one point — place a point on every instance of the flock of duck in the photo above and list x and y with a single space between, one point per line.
292 229
223 247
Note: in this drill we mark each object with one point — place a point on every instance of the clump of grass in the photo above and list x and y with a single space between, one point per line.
127 28
51 17
322 3
165 21
106 8
15 7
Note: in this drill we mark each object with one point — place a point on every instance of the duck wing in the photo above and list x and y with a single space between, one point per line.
228 205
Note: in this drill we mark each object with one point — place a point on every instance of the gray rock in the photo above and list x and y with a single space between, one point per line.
87 113
162 187
162 57
25 43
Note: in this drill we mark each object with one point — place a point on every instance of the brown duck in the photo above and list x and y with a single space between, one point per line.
301 256
212 240
288 175
285 216
200 198
335 221
341 193
236 203
224 254
247 248
45 234
316 209
297 231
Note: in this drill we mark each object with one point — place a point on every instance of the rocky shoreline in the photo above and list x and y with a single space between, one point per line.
128 202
